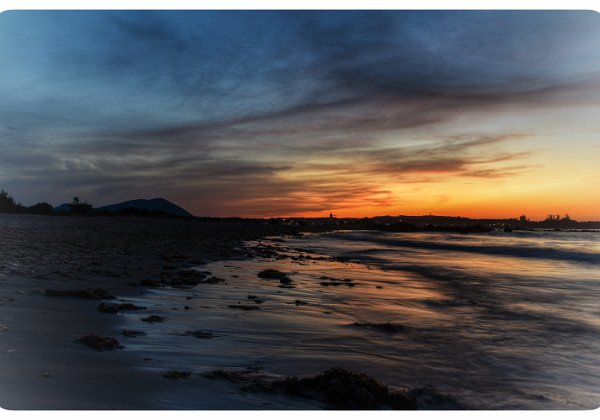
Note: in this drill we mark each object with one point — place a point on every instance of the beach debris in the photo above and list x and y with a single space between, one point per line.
199 334
271 274
3 327
113 308
133 333
92 294
300 302
386 327
187 308
154 318
46 374
100 343
379 287
337 387
244 307
177 374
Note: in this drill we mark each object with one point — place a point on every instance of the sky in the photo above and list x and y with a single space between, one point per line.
303 113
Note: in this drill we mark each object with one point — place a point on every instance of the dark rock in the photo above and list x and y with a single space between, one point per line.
285 280
338 388
154 318
100 343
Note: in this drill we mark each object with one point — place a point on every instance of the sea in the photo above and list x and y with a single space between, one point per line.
499 320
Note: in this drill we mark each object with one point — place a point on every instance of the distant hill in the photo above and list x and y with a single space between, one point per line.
153 205
63 207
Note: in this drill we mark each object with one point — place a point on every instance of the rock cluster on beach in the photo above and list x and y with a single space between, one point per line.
100 343
340 389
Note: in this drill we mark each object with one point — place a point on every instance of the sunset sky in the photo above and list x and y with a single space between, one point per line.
478 114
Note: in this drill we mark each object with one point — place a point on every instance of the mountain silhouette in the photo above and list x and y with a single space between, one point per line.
152 205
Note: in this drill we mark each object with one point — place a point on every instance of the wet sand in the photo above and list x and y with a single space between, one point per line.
42 365
219 315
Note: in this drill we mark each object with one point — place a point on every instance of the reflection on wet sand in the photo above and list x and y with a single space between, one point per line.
475 325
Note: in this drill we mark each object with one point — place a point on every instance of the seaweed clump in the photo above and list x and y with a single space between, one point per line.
100 343
337 388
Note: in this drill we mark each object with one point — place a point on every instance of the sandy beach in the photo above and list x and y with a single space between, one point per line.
42 365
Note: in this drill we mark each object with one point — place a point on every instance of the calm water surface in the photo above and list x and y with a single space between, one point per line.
499 320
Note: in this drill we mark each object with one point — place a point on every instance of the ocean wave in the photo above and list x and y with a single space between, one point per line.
516 250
